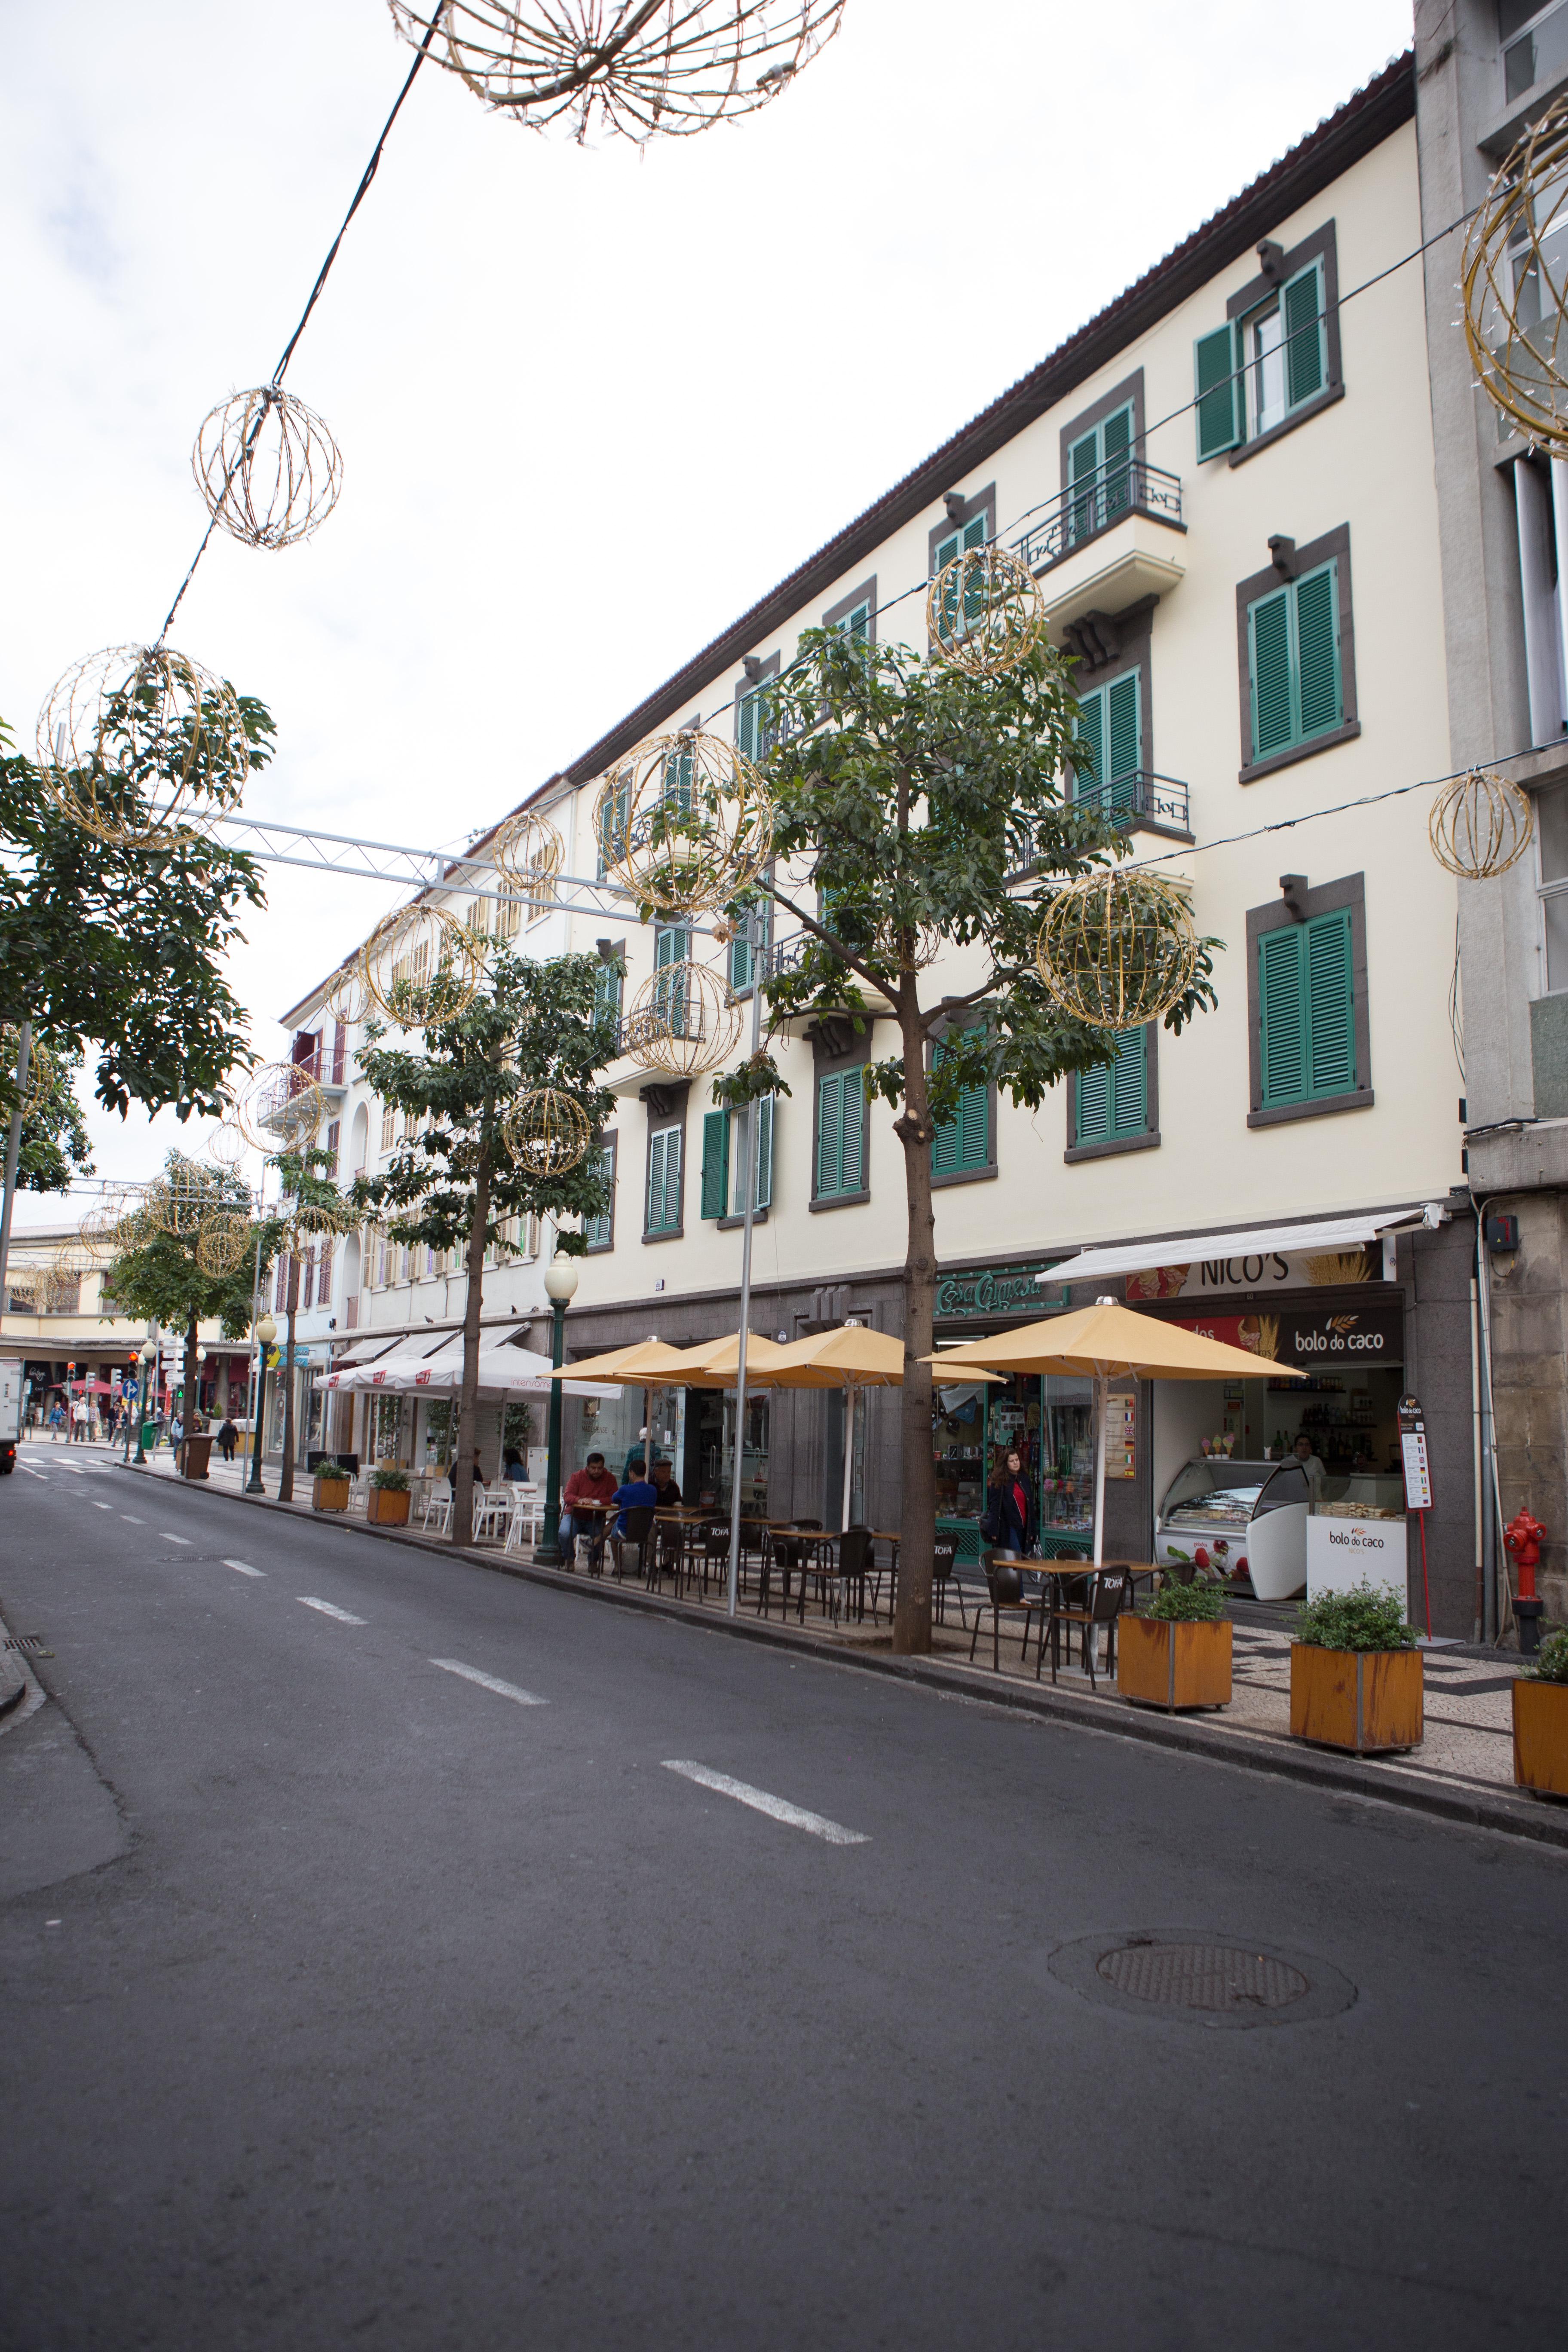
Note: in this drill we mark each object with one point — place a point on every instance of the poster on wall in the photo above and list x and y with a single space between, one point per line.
1121 1422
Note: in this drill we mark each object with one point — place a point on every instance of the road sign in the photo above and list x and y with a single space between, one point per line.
1412 1449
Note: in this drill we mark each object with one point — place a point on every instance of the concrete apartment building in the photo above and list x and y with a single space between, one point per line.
1226 485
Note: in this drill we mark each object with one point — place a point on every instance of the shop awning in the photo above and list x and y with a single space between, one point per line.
1263 1241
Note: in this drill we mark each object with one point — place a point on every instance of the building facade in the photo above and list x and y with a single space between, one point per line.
1225 483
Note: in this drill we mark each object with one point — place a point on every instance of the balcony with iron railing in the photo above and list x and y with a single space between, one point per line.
1121 487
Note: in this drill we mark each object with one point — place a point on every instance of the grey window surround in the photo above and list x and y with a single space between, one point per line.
983 502
610 1141
987 1174
744 686
675 1116
1129 391
1112 1146
1322 245
865 594
733 1225
1349 890
825 1064
1335 543
839 1200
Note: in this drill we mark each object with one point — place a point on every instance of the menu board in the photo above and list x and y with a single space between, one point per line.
1121 1421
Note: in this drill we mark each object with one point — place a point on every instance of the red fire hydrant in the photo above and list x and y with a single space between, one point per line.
1523 1536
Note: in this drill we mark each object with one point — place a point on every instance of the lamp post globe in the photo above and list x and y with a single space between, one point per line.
263 1331
560 1285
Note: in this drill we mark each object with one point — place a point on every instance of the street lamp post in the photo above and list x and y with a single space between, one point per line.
265 1332
560 1283
148 1358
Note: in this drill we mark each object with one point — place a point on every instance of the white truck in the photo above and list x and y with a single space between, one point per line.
13 1388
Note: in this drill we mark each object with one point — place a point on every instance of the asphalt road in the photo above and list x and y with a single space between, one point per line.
352 2000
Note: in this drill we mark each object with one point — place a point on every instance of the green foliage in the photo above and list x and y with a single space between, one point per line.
390 1480
531 1024
124 948
1361 1619
159 1281
925 799
757 1078
1552 1659
54 1146
1187 1604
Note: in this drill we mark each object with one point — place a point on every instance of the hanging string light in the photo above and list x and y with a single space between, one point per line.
684 1020
684 824
1118 948
422 966
1514 279
986 612
642 68
278 1107
1480 826
224 1243
268 470
529 853
547 1131
141 748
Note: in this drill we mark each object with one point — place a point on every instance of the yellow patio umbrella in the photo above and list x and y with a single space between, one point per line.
640 1366
1111 1341
716 1363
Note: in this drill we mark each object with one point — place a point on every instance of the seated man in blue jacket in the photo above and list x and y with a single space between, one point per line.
638 1489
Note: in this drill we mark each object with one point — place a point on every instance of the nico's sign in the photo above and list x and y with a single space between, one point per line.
1412 1451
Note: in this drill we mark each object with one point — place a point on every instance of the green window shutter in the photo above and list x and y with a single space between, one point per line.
1318 650
763 1189
946 549
974 532
1268 644
1092 1117
670 945
1090 770
857 623
1130 1084
1218 388
740 964
653 1222
748 724
1083 461
962 1142
1123 730
1332 1004
1116 492
607 991
715 1164
1282 1009
853 1159
598 1228
1301 317
830 1141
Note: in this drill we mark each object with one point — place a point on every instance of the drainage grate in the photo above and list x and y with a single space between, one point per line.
27 1642
1202 1976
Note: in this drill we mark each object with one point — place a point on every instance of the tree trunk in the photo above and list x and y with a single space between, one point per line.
286 1482
462 1530
189 1415
917 1527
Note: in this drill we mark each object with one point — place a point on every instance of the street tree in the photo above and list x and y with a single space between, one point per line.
54 1140
310 1213
453 1183
924 805
157 1274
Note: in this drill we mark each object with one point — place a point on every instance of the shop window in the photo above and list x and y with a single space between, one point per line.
840 1158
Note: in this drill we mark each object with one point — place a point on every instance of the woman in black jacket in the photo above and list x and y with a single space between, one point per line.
1009 1524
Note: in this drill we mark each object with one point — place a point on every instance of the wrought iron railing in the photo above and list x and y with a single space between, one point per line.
1141 798
1121 487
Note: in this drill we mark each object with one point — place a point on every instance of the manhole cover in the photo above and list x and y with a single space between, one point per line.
1202 1976
1183 1975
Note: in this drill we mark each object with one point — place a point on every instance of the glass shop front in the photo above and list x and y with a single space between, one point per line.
1049 1421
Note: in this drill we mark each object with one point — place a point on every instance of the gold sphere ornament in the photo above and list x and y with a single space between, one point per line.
224 1243
278 1107
310 1221
986 612
684 1020
42 1070
96 1233
684 824
1480 825
643 69
141 748
1514 277
225 1146
1118 948
180 1201
422 966
547 1131
267 467
528 853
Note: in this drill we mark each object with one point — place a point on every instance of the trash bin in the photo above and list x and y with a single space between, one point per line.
197 1454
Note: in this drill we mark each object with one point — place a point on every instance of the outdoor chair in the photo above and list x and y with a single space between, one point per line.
669 1555
1071 1605
783 1553
856 1562
439 1506
639 1526
943 1560
1005 1597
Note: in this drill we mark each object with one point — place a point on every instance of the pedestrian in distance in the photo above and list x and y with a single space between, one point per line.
56 1422
227 1438
1009 1524
79 1416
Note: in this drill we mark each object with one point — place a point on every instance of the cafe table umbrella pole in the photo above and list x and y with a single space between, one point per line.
748 1178
1101 1397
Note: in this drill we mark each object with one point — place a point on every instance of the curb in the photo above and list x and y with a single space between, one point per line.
1537 1819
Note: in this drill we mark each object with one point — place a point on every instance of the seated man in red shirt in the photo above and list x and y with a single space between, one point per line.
591 1483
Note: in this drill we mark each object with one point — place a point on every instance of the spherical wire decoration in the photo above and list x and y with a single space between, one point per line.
1118 948
1514 282
224 1243
278 1107
225 1146
547 1131
267 466
42 1069
422 966
180 1201
96 1233
1480 825
529 853
683 1020
986 612
141 747
684 824
642 68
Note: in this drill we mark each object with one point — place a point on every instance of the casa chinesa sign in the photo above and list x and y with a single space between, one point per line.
976 1290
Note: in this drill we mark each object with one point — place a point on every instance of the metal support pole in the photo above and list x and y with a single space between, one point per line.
749 1199
547 1554
253 1484
14 1150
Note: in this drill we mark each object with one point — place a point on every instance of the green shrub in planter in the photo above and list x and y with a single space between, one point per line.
390 1482
1361 1619
1187 1604
1551 1660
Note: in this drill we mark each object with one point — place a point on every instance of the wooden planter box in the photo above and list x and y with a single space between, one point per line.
1367 1700
385 1508
330 1495
1541 1737
1161 1662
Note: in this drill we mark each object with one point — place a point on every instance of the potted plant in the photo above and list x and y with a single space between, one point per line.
330 1490
1541 1721
1355 1674
1176 1652
389 1501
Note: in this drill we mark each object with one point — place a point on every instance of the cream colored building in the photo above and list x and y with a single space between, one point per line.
1251 588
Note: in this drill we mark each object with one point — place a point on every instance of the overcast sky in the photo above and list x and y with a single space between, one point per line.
592 403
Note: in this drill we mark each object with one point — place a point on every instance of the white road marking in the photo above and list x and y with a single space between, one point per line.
102 1506
34 1474
131 1517
328 1609
761 1801
168 1538
244 1568
490 1681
